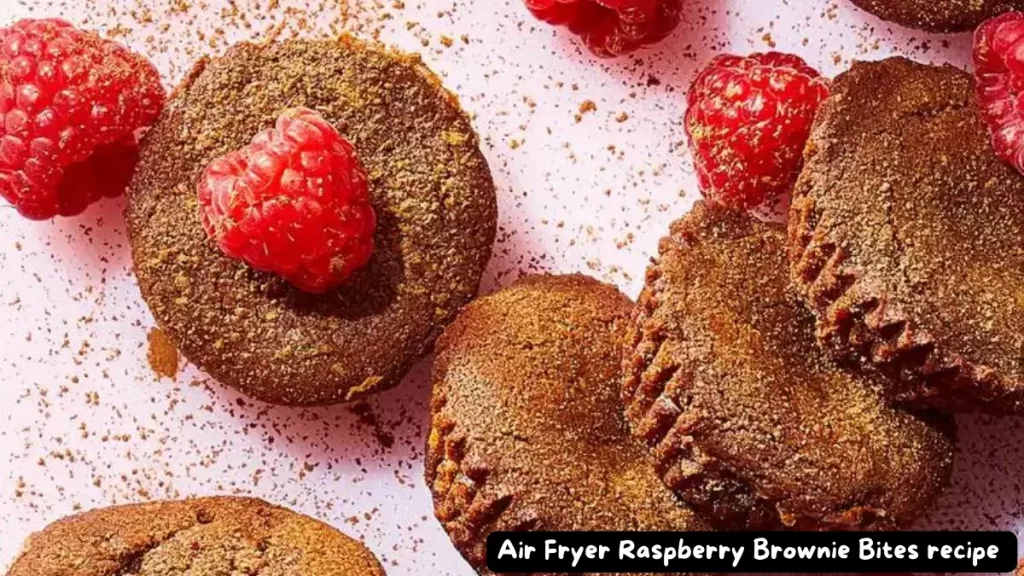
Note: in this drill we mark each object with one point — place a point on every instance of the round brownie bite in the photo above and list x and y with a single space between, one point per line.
429 185
203 537
939 15
748 420
527 430
906 237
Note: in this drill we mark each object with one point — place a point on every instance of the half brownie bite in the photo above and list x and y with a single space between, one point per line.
308 216
906 238
748 420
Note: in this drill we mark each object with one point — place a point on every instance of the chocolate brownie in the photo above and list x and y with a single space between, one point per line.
748 420
430 186
906 237
527 430
939 15
205 537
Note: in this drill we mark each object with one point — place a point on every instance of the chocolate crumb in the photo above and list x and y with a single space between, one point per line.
162 355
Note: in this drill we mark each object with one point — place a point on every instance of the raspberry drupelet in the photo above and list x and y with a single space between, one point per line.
294 202
71 103
747 123
999 72
611 28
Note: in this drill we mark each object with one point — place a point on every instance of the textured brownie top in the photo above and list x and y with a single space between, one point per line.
939 15
206 537
747 418
527 430
430 186
907 237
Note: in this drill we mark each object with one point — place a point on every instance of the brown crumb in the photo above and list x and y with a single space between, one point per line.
162 355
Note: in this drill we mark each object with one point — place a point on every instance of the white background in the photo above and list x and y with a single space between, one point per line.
83 420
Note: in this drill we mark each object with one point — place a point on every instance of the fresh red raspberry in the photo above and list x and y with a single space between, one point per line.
294 202
999 70
70 106
748 121
611 28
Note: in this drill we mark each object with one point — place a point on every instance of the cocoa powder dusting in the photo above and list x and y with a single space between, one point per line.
368 418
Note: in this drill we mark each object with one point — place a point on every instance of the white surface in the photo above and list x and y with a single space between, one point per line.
85 423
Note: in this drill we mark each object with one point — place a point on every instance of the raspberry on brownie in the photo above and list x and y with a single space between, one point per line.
429 186
905 237
295 202
201 537
747 419
527 430
939 15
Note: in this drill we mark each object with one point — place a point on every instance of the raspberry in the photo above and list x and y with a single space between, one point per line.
294 202
611 27
748 121
999 70
70 106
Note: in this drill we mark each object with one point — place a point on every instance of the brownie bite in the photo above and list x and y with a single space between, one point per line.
905 238
939 15
430 187
203 537
747 419
527 430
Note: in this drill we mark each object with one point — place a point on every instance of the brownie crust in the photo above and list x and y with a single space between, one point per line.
527 430
430 186
204 537
939 15
748 420
905 238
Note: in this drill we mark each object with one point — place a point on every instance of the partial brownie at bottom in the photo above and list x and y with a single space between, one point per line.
202 537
